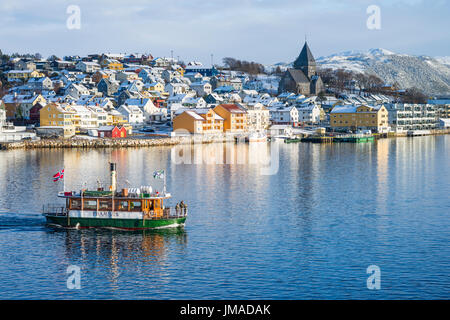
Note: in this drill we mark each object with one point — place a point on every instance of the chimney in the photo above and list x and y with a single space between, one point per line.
112 167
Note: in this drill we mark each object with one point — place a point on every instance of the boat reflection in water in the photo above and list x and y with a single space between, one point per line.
145 253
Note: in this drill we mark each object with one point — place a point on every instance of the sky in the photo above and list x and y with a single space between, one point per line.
265 31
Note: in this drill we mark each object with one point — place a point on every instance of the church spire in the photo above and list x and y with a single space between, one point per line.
306 61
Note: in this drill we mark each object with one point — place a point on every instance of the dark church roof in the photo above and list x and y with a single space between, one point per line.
298 75
305 58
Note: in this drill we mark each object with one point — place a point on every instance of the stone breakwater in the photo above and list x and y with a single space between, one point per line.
104 143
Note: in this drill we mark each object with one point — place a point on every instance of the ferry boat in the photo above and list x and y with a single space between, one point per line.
127 209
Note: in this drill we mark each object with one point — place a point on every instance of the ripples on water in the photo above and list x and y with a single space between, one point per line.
309 231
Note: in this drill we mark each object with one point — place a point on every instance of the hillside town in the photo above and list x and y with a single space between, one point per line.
117 96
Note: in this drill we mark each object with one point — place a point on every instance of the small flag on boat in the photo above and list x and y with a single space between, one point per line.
158 174
58 176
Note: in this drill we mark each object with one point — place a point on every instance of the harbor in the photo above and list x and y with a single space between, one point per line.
329 212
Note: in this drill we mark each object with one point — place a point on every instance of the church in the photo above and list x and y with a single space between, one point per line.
303 78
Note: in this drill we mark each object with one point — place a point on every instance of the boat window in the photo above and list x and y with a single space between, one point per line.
90 205
122 205
136 205
104 205
75 204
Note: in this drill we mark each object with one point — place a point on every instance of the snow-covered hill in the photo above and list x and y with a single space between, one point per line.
431 75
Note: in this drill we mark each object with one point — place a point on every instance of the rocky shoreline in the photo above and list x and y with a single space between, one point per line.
137 142
103 143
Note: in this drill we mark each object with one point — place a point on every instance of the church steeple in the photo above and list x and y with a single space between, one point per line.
306 62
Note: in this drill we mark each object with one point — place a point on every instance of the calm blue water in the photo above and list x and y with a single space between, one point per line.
309 231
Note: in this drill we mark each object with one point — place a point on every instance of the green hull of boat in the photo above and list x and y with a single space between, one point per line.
127 224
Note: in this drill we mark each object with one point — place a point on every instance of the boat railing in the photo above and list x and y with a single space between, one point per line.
175 212
168 213
54 210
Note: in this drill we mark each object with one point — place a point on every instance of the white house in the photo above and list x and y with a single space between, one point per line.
284 115
133 114
76 90
43 83
309 113
258 117
87 66
176 88
145 104
201 88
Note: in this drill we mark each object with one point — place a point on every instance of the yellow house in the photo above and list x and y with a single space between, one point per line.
190 121
213 122
181 71
58 115
115 118
14 75
204 121
350 117
156 86
111 64
235 117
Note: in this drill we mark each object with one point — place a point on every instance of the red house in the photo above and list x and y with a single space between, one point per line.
112 132
35 116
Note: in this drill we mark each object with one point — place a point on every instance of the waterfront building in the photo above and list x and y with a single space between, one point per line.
442 107
235 117
284 115
406 116
59 116
361 117
199 121
112 132
258 117
309 113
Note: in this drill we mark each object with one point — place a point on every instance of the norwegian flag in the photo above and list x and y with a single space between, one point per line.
58 176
